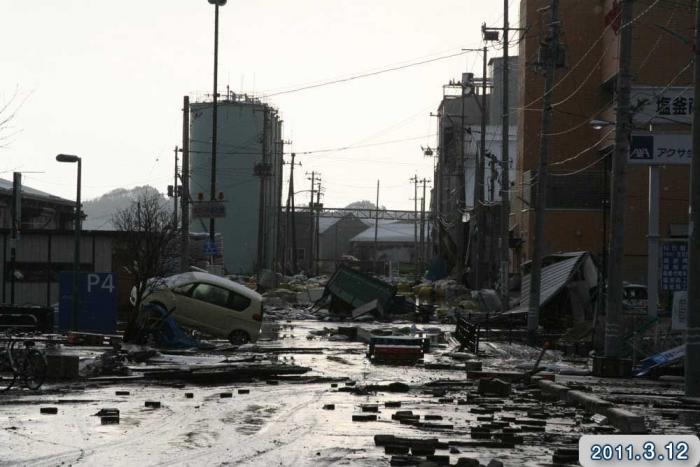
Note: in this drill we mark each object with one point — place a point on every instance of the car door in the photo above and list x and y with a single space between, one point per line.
208 309
185 306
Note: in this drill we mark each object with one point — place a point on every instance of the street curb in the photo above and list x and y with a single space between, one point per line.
622 419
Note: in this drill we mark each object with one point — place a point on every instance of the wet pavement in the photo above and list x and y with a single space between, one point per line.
308 419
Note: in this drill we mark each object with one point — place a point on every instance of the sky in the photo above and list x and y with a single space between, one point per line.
105 81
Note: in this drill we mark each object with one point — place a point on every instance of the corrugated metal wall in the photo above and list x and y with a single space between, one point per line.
42 255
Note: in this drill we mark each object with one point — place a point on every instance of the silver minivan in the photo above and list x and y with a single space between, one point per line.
211 304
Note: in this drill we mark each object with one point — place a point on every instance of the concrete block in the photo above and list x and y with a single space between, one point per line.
109 412
152 404
364 418
395 449
189 395
625 421
329 407
432 417
109 420
225 395
383 440
473 365
495 463
422 450
369 408
48 410
121 393
244 391
467 462
495 387
392 404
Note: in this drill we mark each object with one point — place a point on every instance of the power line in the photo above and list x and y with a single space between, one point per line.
365 75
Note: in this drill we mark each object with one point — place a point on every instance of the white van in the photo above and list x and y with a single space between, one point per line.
210 304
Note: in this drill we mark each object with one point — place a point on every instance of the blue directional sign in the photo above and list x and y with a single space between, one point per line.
97 311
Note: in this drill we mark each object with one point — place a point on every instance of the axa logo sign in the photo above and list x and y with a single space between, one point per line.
642 148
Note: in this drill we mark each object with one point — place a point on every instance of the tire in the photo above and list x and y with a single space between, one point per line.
239 337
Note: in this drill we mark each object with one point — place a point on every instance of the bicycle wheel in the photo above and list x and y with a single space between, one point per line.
33 369
7 374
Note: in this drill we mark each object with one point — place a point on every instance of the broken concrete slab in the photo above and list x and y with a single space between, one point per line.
396 449
552 388
625 421
589 402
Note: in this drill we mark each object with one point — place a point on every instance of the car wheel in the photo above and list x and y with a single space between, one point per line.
238 337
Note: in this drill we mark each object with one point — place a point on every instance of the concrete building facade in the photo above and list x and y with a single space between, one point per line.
576 215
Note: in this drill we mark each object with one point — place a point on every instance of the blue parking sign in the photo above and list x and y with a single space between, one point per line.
97 311
210 248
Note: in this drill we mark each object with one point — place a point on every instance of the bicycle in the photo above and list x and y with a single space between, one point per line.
25 362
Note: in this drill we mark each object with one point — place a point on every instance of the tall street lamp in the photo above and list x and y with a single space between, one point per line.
217 4
76 258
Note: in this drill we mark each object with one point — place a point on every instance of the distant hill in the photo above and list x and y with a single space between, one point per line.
100 210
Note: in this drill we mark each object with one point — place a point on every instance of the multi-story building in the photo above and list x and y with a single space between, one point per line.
576 215
248 177
455 168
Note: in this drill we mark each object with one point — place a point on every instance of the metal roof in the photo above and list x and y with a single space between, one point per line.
389 232
554 277
6 186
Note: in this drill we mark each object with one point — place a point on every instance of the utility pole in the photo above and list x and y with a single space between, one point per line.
550 53
376 228
692 342
16 212
479 181
175 188
261 172
623 128
214 121
185 199
461 186
423 254
318 216
414 180
311 220
505 168
291 222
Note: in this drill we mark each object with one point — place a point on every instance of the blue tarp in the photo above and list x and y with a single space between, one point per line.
167 333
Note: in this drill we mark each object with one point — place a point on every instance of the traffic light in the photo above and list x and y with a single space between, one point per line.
170 191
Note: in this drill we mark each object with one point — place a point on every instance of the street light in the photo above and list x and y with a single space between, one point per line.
217 4
76 254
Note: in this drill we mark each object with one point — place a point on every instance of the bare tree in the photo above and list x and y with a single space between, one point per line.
148 244
8 111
